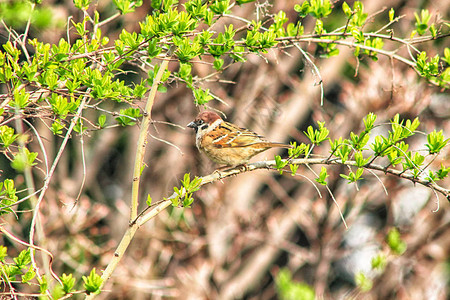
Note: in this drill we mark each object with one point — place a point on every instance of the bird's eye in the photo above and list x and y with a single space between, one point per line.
200 122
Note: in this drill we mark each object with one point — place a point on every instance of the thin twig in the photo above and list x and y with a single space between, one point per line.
11 236
316 71
83 160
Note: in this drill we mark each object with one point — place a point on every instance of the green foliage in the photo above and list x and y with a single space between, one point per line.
316 8
23 259
82 4
436 141
289 289
364 283
393 147
68 282
28 276
187 49
391 14
21 268
43 285
129 116
322 176
400 130
52 81
149 200
125 6
316 136
220 7
395 242
379 262
296 151
280 164
7 196
202 96
422 21
57 127
3 253
353 177
357 16
92 282
185 192
442 172
17 13
101 121
24 159
218 64
223 42
7 136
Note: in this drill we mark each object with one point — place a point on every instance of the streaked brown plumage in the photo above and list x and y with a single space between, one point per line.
226 143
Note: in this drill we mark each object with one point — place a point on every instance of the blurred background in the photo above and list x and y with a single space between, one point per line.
239 233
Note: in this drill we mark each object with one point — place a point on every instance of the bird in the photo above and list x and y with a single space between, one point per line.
226 143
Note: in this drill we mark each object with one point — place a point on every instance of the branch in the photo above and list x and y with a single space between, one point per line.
139 159
271 164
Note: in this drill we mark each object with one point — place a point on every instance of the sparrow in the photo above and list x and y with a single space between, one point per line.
226 143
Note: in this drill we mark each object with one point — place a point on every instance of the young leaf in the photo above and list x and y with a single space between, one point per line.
92 282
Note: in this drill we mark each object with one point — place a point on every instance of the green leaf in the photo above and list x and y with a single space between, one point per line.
7 136
3 252
8 196
220 7
422 21
303 10
68 282
23 259
393 239
322 176
280 163
360 161
57 127
319 135
442 172
296 151
43 285
20 99
446 57
82 4
318 29
379 262
347 10
101 121
30 274
363 282
294 29
24 159
240 2
79 128
218 64
129 116
294 169
391 14
124 6
93 282
288 289
320 8
153 48
353 177
202 96
436 142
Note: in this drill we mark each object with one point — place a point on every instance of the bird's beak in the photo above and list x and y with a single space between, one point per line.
192 125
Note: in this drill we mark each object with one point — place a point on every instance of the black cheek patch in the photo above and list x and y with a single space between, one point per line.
204 126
